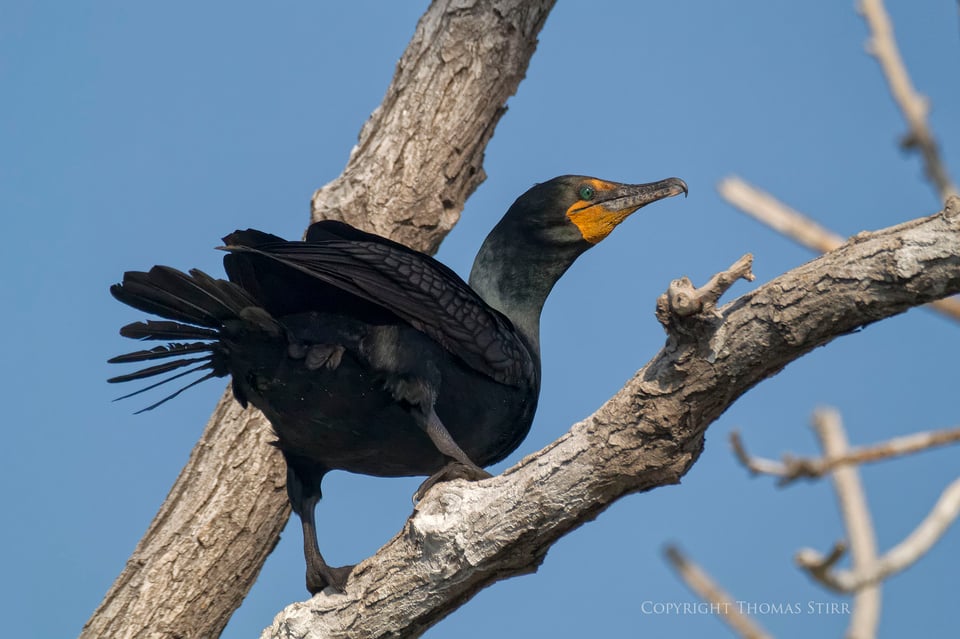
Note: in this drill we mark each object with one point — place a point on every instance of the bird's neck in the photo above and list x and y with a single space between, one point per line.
514 272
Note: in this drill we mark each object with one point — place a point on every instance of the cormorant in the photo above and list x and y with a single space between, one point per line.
370 357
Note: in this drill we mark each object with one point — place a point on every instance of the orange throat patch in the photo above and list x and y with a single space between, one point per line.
594 220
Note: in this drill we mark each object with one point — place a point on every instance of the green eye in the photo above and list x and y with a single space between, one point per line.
586 193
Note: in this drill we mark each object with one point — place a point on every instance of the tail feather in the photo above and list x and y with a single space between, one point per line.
167 380
230 295
194 307
176 392
140 293
160 369
161 352
153 329
200 293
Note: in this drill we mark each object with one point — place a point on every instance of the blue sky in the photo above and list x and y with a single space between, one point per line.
136 134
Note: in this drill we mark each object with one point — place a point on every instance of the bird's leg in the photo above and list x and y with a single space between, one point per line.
319 574
303 490
460 466
441 438
419 393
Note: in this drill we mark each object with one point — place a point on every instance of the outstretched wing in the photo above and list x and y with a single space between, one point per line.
413 286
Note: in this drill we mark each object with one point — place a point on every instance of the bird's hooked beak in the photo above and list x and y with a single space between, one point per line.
610 203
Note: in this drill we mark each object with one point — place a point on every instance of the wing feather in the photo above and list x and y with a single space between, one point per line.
413 286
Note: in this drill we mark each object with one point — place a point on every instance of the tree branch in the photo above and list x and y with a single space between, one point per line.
418 159
465 536
865 574
793 468
883 46
901 556
721 603
856 517
767 209
420 155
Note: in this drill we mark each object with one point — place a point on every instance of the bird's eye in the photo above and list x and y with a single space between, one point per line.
586 193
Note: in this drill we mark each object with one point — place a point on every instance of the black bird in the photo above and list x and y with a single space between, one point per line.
370 357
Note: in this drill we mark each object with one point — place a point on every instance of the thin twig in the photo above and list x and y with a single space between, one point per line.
883 46
721 603
756 465
924 536
769 210
792 468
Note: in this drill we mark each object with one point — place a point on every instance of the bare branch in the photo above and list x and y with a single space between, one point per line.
821 565
856 516
720 602
883 46
464 536
923 537
770 211
792 468
756 465
901 556
767 209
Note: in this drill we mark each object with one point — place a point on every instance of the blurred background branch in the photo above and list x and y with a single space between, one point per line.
792 468
883 46
721 603
769 210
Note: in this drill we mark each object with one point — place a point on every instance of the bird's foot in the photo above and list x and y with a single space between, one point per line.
317 356
320 575
453 470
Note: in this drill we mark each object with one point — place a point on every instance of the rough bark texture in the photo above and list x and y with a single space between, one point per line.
464 536
418 159
420 155
210 537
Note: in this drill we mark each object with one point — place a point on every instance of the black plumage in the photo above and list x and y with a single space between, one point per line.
370 357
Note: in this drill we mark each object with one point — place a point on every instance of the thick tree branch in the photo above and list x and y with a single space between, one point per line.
420 155
418 159
465 536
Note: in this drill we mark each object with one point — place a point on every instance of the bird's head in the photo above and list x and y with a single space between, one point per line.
577 209
542 234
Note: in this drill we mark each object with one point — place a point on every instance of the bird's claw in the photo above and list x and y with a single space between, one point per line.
453 470
319 577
